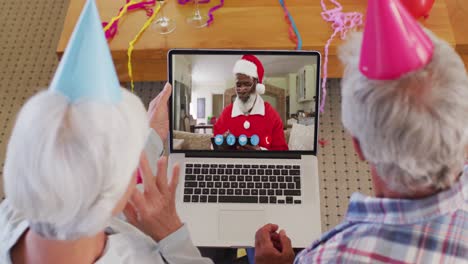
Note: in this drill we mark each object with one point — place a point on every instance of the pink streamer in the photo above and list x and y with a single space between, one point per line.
341 23
183 2
212 10
110 33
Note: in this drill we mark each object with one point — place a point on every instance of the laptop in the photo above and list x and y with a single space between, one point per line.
242 171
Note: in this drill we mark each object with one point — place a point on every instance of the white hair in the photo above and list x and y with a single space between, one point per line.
68 164
413 129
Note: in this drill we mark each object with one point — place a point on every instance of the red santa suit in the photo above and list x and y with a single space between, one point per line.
262 121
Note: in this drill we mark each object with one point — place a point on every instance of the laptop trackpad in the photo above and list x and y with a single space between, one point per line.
240 225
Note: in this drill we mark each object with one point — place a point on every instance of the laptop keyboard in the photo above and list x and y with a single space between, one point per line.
242 183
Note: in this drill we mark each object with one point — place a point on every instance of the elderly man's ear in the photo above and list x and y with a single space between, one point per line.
357 148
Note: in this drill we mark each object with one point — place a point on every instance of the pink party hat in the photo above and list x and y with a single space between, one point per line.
394 43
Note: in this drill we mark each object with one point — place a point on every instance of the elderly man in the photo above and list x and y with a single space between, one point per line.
413 132
71 166
249 115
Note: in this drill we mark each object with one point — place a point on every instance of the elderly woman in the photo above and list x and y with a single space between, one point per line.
68 175
413 132
71 168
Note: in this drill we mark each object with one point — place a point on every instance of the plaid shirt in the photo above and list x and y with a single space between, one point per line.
382 230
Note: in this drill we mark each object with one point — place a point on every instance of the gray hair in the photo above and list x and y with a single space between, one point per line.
68 165
414 130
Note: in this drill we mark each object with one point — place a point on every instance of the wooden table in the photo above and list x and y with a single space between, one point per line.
458 13
244 24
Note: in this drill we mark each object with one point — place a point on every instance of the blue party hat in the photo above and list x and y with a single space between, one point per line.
86 71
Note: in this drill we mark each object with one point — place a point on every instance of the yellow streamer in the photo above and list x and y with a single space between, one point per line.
122 12
137 37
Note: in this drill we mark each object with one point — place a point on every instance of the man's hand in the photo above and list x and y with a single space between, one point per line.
158 113
226 134
154 211
271 247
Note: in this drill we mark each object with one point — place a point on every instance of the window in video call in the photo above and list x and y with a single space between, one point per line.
244 102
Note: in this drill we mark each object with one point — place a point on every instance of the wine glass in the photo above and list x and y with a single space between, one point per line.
164 24
197 19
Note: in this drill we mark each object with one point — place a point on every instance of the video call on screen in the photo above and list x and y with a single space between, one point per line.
217 105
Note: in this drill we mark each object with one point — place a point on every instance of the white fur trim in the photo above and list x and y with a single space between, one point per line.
260 88
257 109
246 67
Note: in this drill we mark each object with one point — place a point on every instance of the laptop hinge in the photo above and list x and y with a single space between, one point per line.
267 155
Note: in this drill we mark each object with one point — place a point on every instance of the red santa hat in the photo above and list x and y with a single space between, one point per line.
253 67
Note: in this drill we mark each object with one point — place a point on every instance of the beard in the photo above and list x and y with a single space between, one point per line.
248 104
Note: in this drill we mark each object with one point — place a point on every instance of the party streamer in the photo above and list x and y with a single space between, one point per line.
111 28
183 2
212 10
341 23
293 31
137 37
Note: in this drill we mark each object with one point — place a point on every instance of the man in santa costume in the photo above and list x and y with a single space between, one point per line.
249 115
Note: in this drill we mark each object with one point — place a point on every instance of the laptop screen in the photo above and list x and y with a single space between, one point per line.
244 101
